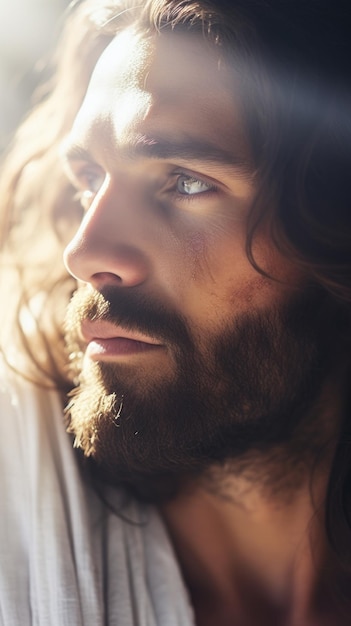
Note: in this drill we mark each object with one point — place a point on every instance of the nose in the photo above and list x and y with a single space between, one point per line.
108 248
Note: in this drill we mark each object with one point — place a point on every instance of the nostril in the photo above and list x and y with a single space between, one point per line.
102 279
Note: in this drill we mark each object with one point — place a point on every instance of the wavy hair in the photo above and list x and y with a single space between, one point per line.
292 58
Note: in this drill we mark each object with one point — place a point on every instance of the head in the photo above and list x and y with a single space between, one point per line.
210 152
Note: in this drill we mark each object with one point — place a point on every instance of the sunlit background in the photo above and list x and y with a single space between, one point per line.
28 29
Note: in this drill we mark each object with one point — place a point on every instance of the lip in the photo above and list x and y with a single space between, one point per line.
108 341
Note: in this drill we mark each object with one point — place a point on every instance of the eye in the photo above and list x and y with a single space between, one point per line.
189 185
88 181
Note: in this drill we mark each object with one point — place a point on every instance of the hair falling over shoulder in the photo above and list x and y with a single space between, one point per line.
293 61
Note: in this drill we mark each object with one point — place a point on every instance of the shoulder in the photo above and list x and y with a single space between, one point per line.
28 412
57 534
36 455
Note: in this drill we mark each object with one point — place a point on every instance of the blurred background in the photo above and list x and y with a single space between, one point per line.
28 31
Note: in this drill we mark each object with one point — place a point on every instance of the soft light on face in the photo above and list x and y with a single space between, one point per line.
125 60
200 356
175 168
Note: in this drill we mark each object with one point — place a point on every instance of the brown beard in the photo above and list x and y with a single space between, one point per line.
255 389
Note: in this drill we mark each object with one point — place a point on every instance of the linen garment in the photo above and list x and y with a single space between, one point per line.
65 558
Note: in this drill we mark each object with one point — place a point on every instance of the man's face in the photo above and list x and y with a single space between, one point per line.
189 356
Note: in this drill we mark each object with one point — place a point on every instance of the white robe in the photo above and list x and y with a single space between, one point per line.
65 559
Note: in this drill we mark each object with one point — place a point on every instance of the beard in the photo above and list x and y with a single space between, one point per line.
253 388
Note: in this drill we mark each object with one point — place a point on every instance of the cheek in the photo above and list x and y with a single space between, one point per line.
215 256
196 252
211 277
217 278
223 281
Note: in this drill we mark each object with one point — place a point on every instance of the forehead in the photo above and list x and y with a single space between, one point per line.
172 84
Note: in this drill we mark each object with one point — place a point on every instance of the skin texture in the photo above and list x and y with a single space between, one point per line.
179 324
203 237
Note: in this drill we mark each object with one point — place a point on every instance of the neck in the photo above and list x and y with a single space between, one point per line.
259 560
252 545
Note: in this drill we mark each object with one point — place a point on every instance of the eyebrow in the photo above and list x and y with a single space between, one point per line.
192 149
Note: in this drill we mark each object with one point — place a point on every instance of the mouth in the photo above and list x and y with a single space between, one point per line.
107 341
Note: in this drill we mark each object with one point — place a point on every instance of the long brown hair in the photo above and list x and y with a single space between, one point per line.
293 60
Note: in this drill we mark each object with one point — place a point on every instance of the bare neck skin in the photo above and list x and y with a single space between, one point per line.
253 556
251 562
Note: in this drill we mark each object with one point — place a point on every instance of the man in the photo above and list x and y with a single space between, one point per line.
206 354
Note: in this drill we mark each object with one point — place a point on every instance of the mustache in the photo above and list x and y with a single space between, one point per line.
129 309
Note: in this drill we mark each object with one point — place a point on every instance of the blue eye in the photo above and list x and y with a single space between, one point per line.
190 186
